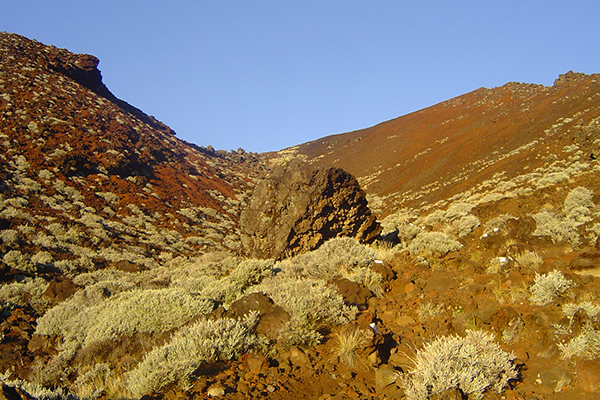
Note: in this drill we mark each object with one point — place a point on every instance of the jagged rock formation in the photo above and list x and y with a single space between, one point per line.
297 208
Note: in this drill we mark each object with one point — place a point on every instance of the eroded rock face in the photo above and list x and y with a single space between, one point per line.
298 207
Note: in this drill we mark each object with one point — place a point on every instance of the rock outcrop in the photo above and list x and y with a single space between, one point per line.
298 207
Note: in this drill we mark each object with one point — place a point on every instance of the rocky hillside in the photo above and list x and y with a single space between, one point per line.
460 144
89 180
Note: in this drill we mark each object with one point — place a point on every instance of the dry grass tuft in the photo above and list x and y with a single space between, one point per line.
348 343
529 259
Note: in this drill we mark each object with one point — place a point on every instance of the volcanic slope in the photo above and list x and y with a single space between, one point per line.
89 180
482 137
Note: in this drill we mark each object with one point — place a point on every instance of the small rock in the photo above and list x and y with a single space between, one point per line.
410 288
385 376
215 391
38 342
556 378
404 320
298 358
242 388
257 363
374 359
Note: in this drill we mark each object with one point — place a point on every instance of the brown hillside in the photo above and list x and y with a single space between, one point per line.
76 159
437 152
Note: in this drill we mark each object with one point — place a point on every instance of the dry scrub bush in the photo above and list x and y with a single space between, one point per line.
35 391
24 292
472 364
585 345
577 210
497 223
433 243
9 237
337 258
547 287
17 260
99 380
587 307
578 197
406 233
454 211
124 314
190 348
496 264
465 225
333 259
312 305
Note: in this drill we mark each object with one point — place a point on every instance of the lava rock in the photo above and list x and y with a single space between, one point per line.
297 208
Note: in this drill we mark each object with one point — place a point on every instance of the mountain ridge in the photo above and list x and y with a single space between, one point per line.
460 132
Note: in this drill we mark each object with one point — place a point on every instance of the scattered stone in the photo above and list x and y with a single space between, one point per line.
354 294
384 376
257 363
60 290
298 358
556 378
272 317
405 320
215 391
586 263
128 266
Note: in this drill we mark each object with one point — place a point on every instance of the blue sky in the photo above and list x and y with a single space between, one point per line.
265 75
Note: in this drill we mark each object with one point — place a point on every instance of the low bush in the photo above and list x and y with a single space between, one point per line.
126 313
335 258
312 305
190 348
585 345
20 261
472 364
547 287
433 243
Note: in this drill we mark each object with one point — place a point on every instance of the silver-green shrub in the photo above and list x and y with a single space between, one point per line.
465 225
201 343
121 315
546 287
311 304
17 260
473 364
430 243
9 237
563 227
335 258
578 197
585 345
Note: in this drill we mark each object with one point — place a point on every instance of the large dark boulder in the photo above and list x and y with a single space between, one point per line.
298 207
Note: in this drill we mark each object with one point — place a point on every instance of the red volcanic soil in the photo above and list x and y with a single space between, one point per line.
442 150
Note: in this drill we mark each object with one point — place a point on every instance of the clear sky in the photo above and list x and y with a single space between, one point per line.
265 75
